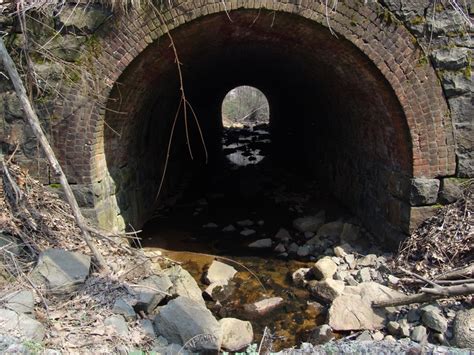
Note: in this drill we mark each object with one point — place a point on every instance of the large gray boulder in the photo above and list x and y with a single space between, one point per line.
353 309
326 290
463 329
152 291
60 271
183 284
236 334
12 322
183 319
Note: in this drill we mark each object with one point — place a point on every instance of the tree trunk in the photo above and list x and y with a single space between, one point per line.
35 125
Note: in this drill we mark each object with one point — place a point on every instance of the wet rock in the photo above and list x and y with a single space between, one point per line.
322 334
27 327
393 327
299 276
363 275
418 334
183 319
123 308
183 284
326 290
229 228
236 334
433 319
117 323
218 291
324 268
463 329
264 306
152 291
247 232
261 223
331 230
61 271
245 223
210 225
350 233
283 235
368 260
280 248
261 243
219 273
309 223
304 250
20 301
424 191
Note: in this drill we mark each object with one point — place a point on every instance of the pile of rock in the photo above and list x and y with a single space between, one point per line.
180 319
350 285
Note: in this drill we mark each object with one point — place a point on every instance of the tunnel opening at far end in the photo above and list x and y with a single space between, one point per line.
245 119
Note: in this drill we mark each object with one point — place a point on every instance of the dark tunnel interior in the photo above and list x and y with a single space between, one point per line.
333 115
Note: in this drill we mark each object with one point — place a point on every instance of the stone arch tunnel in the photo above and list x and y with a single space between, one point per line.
352 96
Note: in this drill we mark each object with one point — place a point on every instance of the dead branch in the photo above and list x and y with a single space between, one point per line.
428 295
35 125
459 273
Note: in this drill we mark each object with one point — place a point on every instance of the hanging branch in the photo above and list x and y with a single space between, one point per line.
184 104
35 125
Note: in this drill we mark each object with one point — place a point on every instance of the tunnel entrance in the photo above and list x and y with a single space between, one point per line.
333 114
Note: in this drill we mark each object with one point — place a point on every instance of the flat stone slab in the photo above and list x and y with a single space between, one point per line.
12 322
21 301
219 273
60 271
264 306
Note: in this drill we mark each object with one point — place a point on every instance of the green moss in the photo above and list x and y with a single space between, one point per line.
439 7
34 347
423 60
55 186
417 20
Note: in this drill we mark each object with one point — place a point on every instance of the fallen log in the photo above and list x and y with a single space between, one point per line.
428 295
35 125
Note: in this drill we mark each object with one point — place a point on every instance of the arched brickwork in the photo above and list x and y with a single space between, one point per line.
377 57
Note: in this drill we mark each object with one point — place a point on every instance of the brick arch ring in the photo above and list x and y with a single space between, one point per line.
79 137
